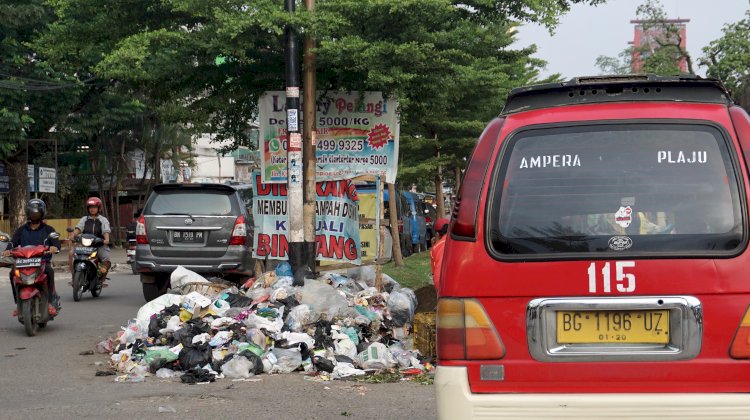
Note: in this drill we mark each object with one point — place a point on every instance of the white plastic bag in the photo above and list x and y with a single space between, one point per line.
156 306
376 356
238 367
323 298
182 276
402 304
287 360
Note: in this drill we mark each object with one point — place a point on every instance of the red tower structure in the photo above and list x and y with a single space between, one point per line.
652 35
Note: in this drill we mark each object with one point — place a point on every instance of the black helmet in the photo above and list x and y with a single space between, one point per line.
36 207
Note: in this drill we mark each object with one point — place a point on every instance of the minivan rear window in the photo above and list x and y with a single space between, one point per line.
616 188
204 203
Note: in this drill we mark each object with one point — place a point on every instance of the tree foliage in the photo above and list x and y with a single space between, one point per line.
728 59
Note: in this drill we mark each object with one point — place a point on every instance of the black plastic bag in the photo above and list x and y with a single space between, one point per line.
196 355
322 364
238 301
194 376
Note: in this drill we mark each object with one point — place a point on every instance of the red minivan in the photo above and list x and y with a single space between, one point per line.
597 262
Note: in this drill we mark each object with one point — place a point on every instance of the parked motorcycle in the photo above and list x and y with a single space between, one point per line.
30 282
86 275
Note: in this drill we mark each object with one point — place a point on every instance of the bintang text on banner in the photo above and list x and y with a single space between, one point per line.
336 221
357 134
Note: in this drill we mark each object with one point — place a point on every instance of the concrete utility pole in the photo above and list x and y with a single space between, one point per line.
308 143
294 154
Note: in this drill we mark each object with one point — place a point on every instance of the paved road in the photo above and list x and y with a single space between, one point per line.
45 377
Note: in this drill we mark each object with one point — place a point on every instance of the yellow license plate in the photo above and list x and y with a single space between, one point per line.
592 327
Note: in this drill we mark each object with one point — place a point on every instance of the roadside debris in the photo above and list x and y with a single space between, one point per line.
335 327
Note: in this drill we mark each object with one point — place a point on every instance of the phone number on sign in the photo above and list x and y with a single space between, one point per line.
347 145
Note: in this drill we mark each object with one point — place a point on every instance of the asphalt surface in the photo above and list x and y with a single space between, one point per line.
46 376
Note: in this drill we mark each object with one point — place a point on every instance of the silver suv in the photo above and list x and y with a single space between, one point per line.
202 227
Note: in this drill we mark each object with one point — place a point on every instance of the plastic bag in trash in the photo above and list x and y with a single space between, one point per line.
402 304
287 360
157 305
322 364
135 330
300 316
159 353
254 359
195 355
366 274
323 298
284 269
166 373
238 367
376 356
182 276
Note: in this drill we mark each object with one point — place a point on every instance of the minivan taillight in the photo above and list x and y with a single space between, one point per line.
239 233
465 332
140 231
740 348
464 223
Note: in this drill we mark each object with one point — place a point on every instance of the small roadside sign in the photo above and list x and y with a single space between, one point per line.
47 179
4 180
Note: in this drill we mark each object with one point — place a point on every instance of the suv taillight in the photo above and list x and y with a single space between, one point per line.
464 220
140 231
239 233
465 332
740 348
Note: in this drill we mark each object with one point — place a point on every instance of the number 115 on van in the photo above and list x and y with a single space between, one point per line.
624 282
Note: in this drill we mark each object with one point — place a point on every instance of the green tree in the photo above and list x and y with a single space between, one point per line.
728 59
34 96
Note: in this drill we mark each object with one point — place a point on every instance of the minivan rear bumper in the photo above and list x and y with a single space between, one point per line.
237 259
455 400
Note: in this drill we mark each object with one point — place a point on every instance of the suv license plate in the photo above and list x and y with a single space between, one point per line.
190 236
593 327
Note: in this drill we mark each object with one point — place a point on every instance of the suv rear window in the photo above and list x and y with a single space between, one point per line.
205 203
626 188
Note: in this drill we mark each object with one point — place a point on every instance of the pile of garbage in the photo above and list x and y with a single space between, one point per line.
333 327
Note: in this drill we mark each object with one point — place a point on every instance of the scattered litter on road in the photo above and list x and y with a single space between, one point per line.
86 353
335 327
167 409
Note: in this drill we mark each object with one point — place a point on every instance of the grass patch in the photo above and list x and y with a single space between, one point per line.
415 273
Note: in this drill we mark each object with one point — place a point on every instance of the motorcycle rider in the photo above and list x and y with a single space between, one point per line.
35 232
130 227
97 225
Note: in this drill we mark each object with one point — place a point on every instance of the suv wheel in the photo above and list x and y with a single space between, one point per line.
154 285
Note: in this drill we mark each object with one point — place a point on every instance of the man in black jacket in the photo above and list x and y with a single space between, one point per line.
35 232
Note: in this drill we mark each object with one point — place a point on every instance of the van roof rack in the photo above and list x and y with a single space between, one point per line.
617 88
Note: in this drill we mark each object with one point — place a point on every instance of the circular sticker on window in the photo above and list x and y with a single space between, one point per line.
624 216
620 243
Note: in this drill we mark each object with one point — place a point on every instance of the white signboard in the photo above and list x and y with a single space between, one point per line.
47 179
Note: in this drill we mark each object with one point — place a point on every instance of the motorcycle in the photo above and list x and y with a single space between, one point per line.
86 266
131 251
30 283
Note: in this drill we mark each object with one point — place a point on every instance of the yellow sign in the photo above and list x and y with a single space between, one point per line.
591 327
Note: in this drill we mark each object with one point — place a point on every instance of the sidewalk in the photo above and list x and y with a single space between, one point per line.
116 255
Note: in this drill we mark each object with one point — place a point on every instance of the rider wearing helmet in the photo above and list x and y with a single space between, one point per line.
98 225
35 232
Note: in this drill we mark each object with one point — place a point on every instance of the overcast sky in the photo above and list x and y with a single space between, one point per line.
587 32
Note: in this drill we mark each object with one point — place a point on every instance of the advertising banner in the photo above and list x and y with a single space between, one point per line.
356 134
336 224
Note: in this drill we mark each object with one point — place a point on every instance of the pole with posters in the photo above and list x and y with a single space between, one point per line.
379 233
308 144
294 154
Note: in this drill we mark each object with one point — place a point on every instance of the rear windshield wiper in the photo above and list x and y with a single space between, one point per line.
179 214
